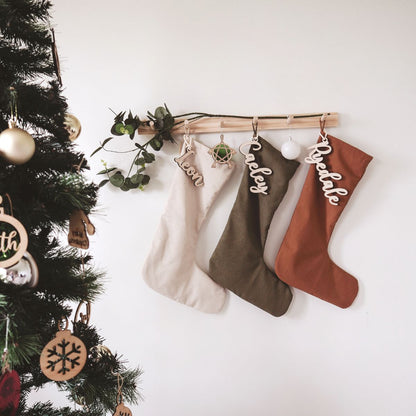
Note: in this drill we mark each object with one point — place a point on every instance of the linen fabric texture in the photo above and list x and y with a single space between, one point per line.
302 260
237 262
170 267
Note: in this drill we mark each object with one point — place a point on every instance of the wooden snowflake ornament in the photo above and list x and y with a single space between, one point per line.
64 357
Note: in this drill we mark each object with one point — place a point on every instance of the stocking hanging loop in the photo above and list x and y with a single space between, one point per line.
322 122
255 124
186 138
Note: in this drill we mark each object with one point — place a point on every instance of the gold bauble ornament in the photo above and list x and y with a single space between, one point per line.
16 145
73 126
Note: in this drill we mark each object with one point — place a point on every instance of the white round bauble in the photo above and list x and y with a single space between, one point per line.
291 149
16 145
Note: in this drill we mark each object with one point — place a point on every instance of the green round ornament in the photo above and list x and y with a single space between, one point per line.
222 153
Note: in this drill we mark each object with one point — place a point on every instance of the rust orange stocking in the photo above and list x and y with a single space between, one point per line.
303 261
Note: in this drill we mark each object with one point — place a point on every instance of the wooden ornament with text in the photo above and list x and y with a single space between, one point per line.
256 172
196 177
64 357
13 239
122 410
316 157
79 226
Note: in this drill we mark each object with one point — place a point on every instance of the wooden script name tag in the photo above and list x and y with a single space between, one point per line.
190 170
315 157
256 172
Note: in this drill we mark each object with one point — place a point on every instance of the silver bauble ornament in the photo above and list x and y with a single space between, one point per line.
290 149
24 272
16 145
73 126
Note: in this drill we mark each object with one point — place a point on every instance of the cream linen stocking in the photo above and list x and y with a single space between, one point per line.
170 267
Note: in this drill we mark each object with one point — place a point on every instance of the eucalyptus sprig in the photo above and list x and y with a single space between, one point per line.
163 121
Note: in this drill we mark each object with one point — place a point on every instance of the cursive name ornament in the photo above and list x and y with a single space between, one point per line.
325 177
256 172
13 239
184 163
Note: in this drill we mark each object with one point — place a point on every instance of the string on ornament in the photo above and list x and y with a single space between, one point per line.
121 409
5 357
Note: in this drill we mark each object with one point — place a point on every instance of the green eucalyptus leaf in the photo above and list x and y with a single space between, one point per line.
104 171
103 182
128 183
149 157
156 144
139 161
141 169
118 129
168 122
106 141
146 179
137 179
160 113
129 129
95 151
117 179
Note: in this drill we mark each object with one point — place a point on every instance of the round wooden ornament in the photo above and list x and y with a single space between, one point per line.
9 393
64 357
13 239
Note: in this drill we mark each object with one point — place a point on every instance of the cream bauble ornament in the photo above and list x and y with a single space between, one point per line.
291 149
16 145
73 126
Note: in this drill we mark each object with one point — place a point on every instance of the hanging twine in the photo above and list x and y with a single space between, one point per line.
5 356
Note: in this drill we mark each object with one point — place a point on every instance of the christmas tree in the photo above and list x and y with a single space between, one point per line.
42 194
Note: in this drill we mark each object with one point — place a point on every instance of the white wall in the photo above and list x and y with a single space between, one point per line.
257 57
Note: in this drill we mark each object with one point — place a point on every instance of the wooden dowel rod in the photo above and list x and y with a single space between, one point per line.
229 124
